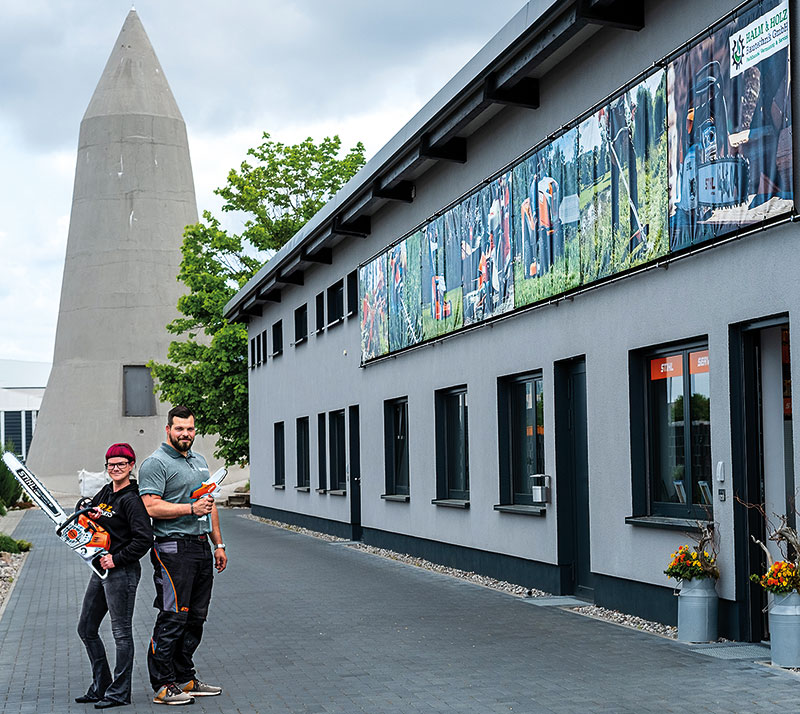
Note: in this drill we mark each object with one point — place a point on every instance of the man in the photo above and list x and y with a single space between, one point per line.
182 560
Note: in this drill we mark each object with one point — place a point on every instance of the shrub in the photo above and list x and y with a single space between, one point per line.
10 489
9 545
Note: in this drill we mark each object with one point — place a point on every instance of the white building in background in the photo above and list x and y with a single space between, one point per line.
22 387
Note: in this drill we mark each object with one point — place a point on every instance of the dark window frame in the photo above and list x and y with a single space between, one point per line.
645 439
320 312
352 293
277 338
264 352
301 324
337 450
303 447
449 460
279 453
335 300
322 452
396 449
253 352
511 448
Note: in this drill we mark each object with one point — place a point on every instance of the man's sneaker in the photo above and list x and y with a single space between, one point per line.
196 688
172 694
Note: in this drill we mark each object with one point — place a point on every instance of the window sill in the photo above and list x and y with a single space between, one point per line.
352 313
338 492
522 510
319 331
304 489
399 498
674 524
300 341
279 486
337 321
276 354
450 502
322 490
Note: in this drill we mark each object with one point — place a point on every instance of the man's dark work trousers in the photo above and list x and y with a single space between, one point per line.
116 595
183 575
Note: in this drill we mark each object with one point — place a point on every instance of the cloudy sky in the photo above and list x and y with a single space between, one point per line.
294 68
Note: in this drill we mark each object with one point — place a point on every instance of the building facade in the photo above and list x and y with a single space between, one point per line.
22 386
478 351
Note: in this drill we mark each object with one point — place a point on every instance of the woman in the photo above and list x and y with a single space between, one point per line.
119 509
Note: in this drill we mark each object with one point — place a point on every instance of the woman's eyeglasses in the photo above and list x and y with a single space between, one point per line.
118 466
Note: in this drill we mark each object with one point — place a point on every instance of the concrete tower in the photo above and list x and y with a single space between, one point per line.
133 195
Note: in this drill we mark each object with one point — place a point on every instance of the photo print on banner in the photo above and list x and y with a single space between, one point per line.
441 275
546 221
730 127
374 313
623 181
405 293
486 258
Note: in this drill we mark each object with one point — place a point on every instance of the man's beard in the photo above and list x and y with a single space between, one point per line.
183 446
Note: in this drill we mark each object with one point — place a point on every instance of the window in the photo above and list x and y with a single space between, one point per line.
521 432
335 302
303 459
280 455
137 391
253 353
277 338
260 354
300 324
263 359
320 312
352 293
336 446
322 454
452 445
395 424
675 444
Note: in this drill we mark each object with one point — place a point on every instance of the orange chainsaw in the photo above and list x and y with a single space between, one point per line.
88 539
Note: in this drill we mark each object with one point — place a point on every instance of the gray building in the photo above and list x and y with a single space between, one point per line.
478 351
22 387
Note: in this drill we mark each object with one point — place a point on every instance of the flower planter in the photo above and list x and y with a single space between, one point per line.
697 610
784 629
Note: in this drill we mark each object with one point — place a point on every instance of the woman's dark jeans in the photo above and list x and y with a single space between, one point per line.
115 595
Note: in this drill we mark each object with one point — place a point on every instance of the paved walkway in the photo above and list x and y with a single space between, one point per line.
302 626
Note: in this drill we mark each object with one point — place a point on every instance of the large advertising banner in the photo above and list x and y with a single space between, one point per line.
730 127
405 292
441 275
546 191
486 258
374 314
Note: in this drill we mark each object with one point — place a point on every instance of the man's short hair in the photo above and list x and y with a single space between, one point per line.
181 412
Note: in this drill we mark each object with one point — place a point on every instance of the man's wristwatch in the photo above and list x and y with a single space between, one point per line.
219 545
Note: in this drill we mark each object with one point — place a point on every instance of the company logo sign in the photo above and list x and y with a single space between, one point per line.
762 38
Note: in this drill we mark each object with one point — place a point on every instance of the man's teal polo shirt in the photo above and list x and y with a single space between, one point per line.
167 473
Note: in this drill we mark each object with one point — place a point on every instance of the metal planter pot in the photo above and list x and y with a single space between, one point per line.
784 629
698 604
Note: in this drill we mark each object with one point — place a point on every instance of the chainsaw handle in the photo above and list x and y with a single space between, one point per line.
72 518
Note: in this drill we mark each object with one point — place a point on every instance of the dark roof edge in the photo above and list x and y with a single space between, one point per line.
452 92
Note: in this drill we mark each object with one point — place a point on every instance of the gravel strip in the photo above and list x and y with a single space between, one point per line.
295 529
454 572
620 618
601 613
10 565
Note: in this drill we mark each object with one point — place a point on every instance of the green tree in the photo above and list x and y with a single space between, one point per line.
278 188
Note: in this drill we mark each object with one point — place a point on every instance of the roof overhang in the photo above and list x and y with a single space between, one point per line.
504 73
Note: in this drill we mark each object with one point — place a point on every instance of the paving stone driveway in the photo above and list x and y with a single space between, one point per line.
303 626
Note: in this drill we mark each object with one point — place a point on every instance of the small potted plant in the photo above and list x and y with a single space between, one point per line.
697 573
782 581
